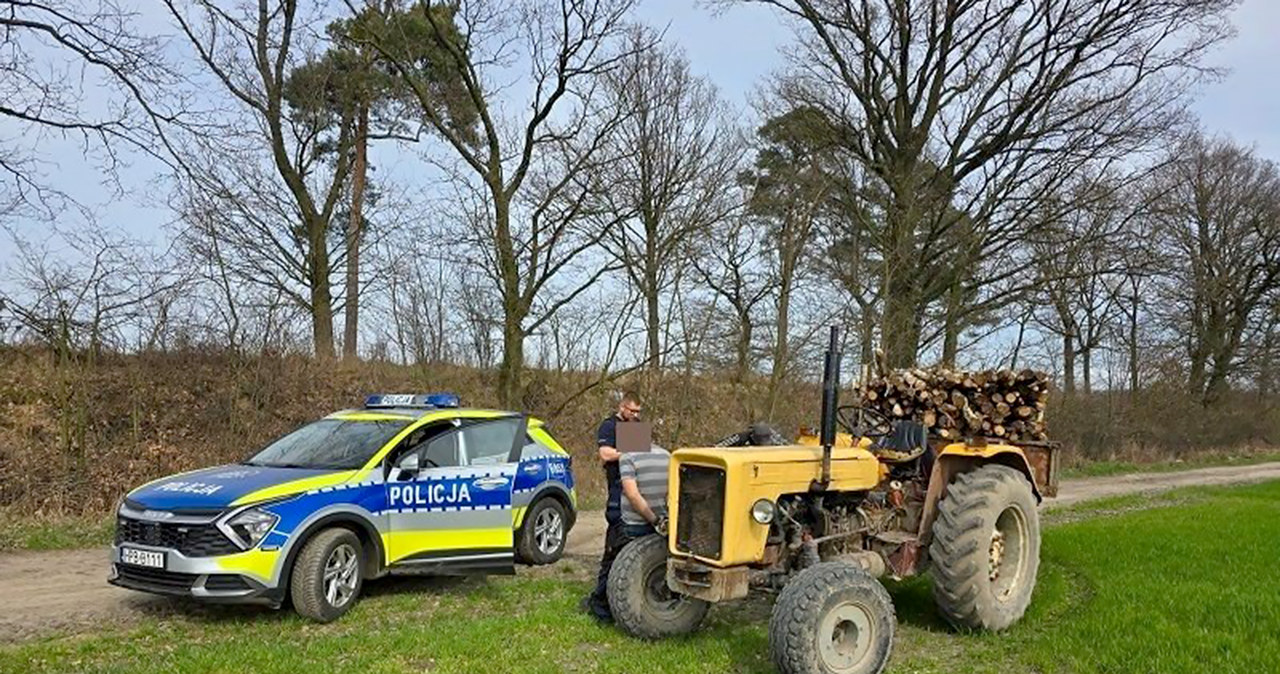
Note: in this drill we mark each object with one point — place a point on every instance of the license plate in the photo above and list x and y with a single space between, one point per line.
147 558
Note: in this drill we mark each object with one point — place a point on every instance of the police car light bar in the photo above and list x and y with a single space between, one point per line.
412 400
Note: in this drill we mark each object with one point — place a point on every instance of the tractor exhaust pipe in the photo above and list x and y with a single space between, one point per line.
830 400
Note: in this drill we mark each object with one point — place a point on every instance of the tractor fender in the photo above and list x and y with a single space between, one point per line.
957 458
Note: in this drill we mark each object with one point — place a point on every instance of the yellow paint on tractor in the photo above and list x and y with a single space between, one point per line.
754 473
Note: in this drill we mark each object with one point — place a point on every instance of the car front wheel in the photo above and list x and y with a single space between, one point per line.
327 577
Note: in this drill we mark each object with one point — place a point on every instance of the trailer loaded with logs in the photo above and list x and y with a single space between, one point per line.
953 404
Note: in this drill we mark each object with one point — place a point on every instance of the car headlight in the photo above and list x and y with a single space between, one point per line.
248 527
762 511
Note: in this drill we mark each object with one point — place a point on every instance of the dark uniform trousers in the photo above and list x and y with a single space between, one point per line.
615 538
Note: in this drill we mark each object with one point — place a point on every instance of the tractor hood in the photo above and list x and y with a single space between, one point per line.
231 485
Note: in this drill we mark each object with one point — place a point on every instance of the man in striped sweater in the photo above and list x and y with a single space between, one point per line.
644 491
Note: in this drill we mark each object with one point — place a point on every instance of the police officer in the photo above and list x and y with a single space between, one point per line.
629 409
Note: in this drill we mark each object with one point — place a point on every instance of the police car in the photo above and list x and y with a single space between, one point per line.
408 484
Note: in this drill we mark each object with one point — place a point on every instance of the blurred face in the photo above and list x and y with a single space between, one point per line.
629 411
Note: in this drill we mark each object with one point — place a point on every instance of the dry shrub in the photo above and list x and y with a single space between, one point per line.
1160 424
75 438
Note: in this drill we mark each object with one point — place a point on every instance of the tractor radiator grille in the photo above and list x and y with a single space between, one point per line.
700 523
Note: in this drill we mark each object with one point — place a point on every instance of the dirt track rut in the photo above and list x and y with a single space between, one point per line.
66 590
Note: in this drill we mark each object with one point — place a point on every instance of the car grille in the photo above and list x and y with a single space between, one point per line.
155 580
700 523
192 540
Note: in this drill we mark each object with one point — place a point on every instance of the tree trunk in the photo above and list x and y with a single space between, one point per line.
1068 363
1087 365
1134 376
867 344
359 174
899 332
321 297
510 386
780 345
743 347
652 318
510 371
954 326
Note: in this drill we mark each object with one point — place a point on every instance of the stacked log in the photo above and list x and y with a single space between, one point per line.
997 404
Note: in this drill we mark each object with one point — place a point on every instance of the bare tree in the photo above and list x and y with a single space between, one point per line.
528 171
93 294
1080 259
966 113
55 57
790 187
283 216
678 160
1218 218
733 264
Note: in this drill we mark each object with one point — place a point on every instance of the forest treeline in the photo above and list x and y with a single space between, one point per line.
530 187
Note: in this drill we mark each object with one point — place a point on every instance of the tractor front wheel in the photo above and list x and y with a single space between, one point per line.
641 603
985 550
832 618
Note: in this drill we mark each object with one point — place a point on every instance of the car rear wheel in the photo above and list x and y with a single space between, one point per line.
327 575
542 536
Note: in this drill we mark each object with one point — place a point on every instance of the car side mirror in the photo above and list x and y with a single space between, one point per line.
408 465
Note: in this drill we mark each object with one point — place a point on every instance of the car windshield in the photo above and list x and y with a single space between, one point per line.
329 443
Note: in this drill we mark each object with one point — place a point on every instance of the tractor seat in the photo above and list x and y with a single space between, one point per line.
907 441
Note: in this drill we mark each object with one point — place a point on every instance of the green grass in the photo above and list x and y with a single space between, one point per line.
18 532
1108 468
1186 587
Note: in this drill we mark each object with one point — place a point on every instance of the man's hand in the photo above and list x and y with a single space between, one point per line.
660 525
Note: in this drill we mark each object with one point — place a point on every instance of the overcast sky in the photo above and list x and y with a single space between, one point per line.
736 49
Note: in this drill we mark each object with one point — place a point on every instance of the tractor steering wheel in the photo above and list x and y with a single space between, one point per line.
864 422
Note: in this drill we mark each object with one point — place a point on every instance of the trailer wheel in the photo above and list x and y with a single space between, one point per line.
832 618
327 575
641 603
985 550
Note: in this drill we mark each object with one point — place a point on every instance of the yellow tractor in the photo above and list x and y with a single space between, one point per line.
819 521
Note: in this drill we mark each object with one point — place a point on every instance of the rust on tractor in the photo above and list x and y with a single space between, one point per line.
708 583
904 560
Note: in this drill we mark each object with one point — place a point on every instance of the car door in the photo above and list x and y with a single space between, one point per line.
450 499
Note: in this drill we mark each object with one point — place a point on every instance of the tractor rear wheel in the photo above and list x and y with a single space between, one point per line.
985 550
832 618
641 603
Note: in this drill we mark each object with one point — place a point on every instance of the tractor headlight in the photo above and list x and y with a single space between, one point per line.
762 511
248 527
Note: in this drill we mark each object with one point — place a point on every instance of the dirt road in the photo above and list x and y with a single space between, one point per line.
66 590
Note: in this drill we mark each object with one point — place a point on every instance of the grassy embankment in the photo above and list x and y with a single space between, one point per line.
76 436
1187 586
